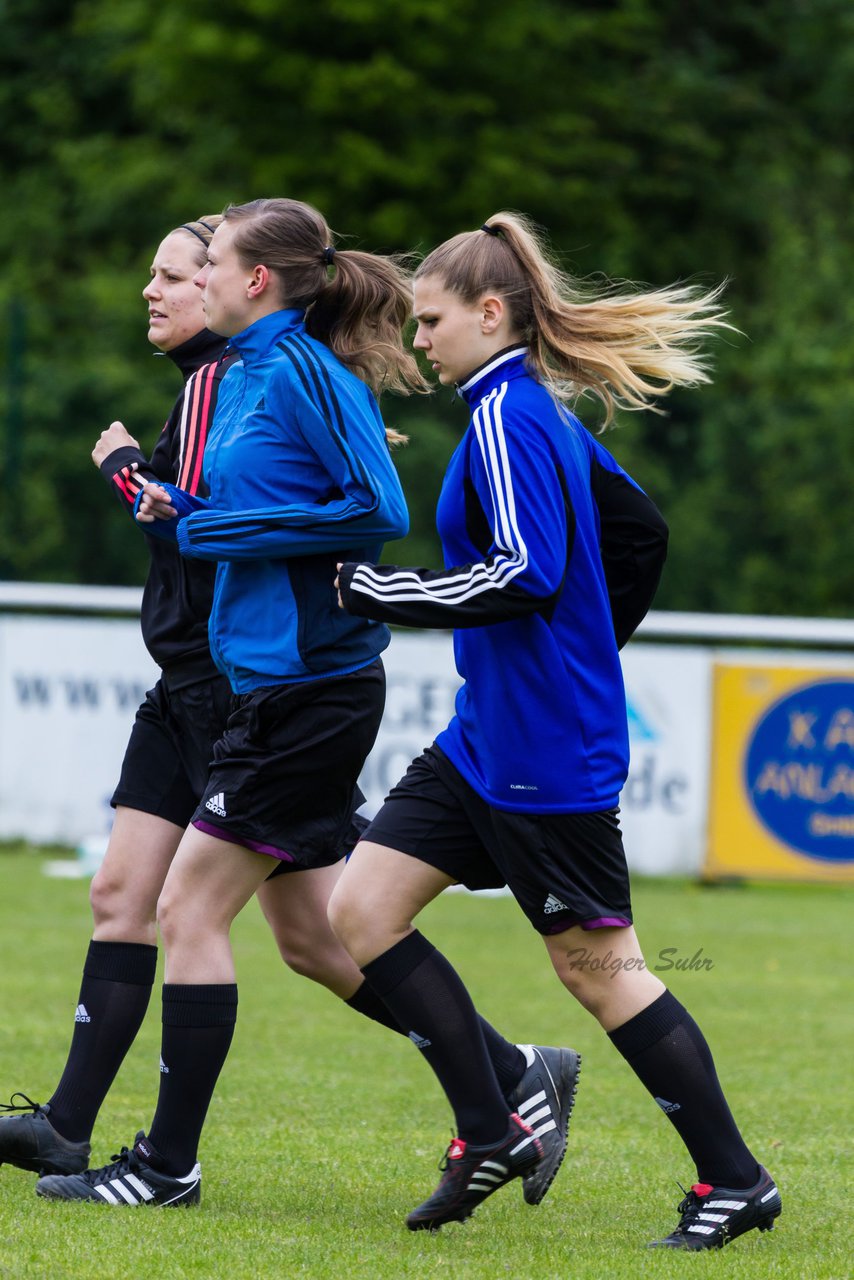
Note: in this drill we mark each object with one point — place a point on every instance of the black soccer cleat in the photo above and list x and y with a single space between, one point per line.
544 1099
31 1142
715 1216
131 1179
470 1174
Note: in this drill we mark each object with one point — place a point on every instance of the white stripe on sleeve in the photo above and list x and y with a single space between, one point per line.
464 584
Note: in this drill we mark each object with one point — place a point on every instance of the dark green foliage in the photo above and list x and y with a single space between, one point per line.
655 141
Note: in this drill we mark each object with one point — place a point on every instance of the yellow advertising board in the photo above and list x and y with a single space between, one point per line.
781 799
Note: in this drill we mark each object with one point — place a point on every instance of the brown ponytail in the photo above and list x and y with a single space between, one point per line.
357 303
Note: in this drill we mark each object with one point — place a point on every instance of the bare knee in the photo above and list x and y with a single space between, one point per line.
190 921
125 888
380 893
587 988
171 917
121 910
303 962
323 960
364 930
611 987
346 918
303 953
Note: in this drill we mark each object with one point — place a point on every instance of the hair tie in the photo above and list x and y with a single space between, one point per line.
328 255
491 231
206 225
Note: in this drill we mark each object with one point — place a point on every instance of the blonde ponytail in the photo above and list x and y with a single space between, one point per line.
625 345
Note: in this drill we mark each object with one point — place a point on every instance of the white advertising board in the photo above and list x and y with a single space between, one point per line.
69 689
665 799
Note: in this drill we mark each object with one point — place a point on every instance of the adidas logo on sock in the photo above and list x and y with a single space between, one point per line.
81 1014
419 1041
554 904
216 804
668 1107
163 1066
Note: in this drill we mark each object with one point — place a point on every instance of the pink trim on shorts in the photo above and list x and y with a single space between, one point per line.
219 833
606 922
599 922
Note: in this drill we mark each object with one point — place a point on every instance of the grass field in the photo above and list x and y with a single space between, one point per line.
326 1130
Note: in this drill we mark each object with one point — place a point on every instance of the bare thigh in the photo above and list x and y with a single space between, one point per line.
209 883
379 894
605 970
127 885
295 907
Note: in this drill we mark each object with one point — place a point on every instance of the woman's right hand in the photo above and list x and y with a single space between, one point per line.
115 437
155 504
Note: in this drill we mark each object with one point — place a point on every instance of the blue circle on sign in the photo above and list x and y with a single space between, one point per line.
799 770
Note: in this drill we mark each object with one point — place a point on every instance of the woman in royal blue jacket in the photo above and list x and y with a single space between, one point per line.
552 556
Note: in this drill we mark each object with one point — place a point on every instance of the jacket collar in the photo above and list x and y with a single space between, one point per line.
203 348
257 339
509 363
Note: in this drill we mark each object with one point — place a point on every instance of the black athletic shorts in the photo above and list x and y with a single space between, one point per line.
563 869
170 750
284 774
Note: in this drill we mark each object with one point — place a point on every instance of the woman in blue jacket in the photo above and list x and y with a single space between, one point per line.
299 473
552 557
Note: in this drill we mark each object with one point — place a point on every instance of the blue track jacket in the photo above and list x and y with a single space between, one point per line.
553 554
300 477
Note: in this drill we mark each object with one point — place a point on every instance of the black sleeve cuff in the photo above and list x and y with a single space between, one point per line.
121 458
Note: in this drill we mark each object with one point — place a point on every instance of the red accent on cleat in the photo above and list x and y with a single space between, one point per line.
471 1173
702 1188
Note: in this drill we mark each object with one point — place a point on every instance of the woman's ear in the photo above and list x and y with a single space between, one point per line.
492 313
259 281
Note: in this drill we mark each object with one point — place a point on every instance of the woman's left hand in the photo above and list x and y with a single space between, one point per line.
337 585
155 505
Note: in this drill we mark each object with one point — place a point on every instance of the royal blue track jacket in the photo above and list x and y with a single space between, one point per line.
300 477
552 555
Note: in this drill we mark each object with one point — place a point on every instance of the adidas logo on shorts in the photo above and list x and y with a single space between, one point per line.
553 904
216 804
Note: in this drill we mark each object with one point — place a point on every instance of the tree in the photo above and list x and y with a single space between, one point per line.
655 140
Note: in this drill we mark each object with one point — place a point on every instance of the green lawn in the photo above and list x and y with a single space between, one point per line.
326 1130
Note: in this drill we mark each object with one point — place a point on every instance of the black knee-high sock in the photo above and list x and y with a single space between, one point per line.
198 1025
667 1051
508 1061
114 995
366 1001
427 997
